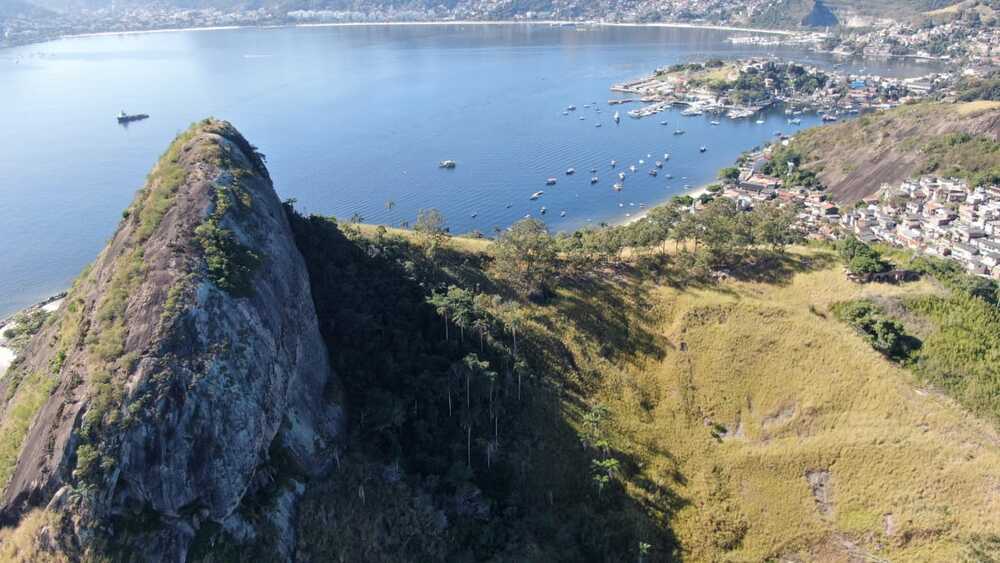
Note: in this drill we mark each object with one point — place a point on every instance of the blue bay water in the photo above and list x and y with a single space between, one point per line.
351 118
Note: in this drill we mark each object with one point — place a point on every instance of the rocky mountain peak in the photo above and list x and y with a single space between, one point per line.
183 374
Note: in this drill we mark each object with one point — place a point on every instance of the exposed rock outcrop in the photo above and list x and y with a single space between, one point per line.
184 374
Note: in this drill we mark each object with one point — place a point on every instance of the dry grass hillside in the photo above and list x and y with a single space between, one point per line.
778 432
854 158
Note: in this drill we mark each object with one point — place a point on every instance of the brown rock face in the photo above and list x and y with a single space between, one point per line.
184 372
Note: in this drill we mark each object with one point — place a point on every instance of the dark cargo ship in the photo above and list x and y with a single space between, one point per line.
127 118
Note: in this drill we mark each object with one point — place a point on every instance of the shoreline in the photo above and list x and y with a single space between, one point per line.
7 354
669 25
693 192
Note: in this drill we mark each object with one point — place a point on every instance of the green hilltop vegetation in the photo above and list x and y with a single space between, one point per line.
692 386
854 158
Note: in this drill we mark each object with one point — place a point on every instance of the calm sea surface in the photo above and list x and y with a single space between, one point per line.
351 118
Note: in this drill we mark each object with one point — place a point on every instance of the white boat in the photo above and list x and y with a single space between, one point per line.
597 125
570 171
542 210
659 164
641 161
632 168
571 108
618 117
621 175
594 180
666 156
713 122
669 176
562 213
447 164
565 113
702 149
795 121
614 163
593 171
678 132
663 123
760 122
618 187
536 195
550 182
652 172
829 117
475 214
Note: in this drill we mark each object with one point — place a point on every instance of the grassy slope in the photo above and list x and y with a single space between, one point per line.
854 158
800 392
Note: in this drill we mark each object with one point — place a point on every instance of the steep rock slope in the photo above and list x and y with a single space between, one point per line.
853 159
184 369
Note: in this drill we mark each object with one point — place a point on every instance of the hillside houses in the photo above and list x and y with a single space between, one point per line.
938 216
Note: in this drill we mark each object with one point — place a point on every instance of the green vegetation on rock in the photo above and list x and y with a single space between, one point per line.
230 263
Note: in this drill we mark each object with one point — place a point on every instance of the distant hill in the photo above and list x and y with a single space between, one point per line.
19 8
790 13
778 13
854 158
820 16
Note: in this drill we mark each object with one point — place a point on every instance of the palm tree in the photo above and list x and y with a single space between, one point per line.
482 326
512 317
473 365
442 306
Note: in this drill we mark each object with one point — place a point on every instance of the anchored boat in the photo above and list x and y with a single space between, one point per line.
128 118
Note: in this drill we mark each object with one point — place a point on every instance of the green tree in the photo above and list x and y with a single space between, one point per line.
729 174
430 227
773 226
525 258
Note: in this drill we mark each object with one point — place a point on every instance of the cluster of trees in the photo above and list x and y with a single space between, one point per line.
975 158
720 233
861 258
987 88
442 385
950 274
786 163
754 86
886 335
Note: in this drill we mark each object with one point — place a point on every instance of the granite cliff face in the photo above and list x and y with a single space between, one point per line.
184 375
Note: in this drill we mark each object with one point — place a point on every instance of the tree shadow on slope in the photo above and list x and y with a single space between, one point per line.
453 451
779 268
698 270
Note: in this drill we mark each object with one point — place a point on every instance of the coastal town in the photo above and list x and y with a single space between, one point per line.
937 216
742 88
